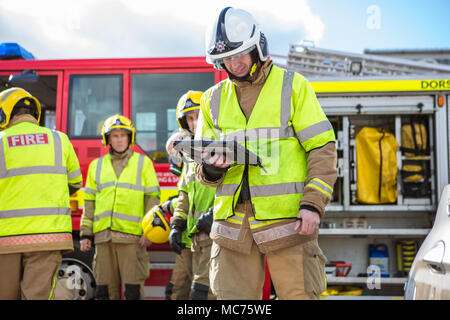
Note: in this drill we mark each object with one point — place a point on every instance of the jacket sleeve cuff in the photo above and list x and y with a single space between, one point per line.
212 173
201 177
313 204
310 208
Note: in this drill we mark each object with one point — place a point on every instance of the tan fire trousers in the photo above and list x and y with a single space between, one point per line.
297 272
181 278
117 264
201 255
29 276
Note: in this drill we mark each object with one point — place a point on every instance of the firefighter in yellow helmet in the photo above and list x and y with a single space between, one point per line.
120 188
187 111
193 213
35 215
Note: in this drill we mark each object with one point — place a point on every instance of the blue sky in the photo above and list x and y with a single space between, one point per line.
62 29
403 24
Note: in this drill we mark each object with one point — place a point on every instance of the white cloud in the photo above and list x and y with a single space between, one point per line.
114 28
282 14
292 16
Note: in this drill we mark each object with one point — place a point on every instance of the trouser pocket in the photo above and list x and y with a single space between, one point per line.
214 268
314 269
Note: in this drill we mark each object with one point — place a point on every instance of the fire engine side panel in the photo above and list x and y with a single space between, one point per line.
349 228
442 156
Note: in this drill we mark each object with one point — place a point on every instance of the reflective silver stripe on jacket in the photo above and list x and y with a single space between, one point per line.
286 98
98 171
152 189
22 213
100 187
136 187
276 189
226 190
74 174
314 130
56 169
117 215
321 186
274 233
2 159
105 214
284 131
33 170
215 104
89 191
130 186
139 170
225 231
236 218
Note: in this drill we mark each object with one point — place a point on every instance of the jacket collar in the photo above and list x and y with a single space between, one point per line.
260 76
22 118
115 156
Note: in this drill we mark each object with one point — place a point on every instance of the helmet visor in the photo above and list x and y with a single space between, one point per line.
234 56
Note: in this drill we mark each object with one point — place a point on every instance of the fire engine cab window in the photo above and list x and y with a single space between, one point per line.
92 98
154 102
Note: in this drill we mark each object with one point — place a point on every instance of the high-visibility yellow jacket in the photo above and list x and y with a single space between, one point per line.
200 198
119 201
286 123
36 166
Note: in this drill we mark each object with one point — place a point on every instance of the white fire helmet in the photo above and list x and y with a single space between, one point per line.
234 31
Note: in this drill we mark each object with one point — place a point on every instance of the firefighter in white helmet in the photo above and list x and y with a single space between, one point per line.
120 188
193 213
275 212
38 171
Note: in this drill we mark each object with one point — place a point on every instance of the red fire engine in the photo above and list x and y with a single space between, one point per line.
78 95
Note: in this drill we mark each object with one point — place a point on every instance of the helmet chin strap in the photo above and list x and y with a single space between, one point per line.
192 134
255 60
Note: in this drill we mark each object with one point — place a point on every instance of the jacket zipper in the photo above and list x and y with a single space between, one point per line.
115 190
246 165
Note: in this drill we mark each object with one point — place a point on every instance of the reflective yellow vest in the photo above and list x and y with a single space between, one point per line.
119 202
286 123
36 166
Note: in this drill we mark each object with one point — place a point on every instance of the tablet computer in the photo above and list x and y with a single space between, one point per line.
233 151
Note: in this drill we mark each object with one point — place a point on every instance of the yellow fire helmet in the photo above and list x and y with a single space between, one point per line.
155 225
189 102
117 122
13 97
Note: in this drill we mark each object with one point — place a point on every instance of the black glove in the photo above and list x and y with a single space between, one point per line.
175 236
205 222
213 173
